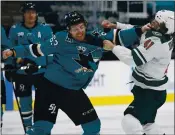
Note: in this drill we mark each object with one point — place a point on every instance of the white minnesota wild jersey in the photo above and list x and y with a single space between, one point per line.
152 58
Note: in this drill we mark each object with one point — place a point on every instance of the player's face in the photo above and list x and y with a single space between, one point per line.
30 16
155 25
78 31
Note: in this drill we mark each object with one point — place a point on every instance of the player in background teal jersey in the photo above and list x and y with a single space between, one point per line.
27 32
5 44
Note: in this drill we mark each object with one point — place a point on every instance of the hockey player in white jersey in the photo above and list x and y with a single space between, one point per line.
150 59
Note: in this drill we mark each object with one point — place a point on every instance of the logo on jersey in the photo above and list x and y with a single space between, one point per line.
29 34
87 62
83 69
156 33
39 34
22 87
148 43
14 26
98 33
132 107
81 49
52 108
20 34
84 62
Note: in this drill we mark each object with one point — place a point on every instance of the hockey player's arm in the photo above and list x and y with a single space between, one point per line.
47 32
37 50
118 25
118 37
124 55
142 54
126 38
123 26
5 42
129 37
13 36
51 46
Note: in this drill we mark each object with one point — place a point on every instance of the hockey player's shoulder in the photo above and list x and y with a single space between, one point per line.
152 34
16 25
96 33
15 28
44 25
61 34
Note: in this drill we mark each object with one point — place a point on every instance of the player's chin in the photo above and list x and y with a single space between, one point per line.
32 19
80 38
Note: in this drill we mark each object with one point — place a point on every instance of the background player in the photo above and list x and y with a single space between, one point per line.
27 32
5 44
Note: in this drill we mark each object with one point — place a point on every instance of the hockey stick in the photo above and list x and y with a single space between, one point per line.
21 68
16 101
14 88
16 98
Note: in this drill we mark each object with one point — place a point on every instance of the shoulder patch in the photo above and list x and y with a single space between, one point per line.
151 33
44 24
98 33
156 33
95 33
14 26
163 38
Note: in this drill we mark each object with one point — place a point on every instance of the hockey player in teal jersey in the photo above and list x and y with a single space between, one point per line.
77 53
27 32
5 44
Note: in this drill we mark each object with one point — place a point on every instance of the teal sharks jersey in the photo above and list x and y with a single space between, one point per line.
5 44
21 35
74 63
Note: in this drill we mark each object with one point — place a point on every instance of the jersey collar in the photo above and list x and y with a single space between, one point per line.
31 27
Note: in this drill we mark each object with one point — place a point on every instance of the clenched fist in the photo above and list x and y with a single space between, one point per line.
7 53
146 27
108 24
108 45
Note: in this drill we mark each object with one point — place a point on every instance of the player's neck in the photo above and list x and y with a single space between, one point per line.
29 25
